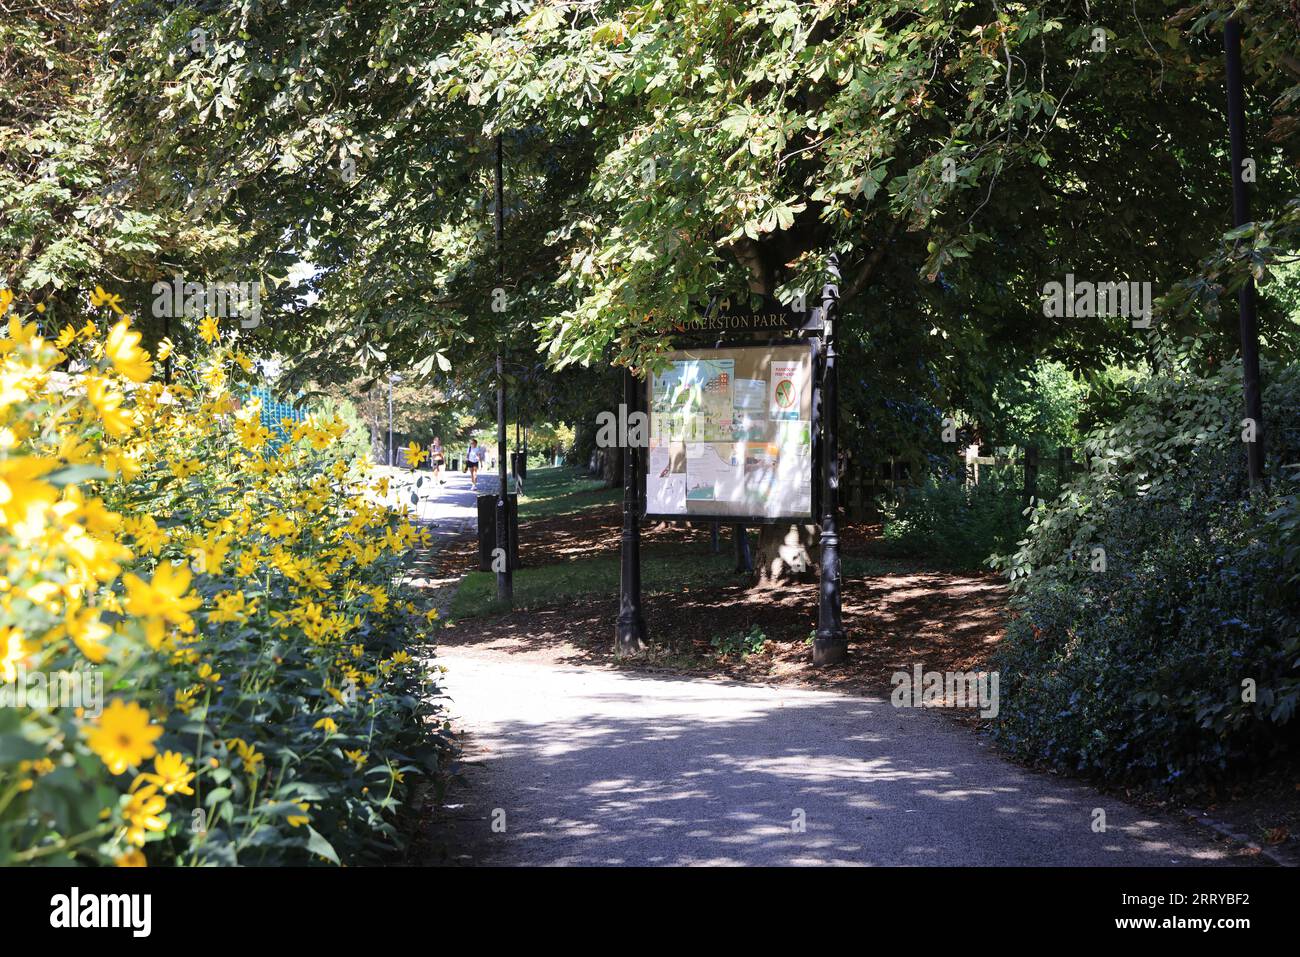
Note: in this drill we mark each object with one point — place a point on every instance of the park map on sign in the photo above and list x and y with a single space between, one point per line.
731 433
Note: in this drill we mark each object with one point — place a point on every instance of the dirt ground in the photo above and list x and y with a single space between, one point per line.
945 621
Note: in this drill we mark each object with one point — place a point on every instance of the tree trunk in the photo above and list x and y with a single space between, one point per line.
611 467
786 553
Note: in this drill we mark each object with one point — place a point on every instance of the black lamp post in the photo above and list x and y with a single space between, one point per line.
502 555
393 379
830 645
629 630
1247 321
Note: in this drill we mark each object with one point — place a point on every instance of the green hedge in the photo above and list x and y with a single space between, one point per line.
1142 668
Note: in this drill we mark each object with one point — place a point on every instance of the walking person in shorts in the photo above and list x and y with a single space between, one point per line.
473 459
436 460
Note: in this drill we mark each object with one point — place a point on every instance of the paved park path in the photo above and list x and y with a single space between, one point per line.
599 766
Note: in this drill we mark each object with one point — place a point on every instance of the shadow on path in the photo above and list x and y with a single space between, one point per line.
599 767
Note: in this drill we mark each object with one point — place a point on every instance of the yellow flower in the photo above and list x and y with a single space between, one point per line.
246 567
297 820
248 754
277 525
146 533
123 461
141 814
207 673
13 649
208 554
230 607
184 468
132 858
108 405
171 773
208 330
24 498
123 736
415 455
328 724
162 601
123 350
88 633
184 699
357 757
38 767
100 298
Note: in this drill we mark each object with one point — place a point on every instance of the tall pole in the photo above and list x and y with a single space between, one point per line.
830 645
1247 320
390 421
740 547
629 630
505 576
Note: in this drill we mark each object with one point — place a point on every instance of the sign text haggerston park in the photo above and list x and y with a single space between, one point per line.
773 318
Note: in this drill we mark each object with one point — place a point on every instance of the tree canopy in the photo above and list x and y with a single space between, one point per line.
954 157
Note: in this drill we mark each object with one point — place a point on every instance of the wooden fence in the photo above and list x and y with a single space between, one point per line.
860 483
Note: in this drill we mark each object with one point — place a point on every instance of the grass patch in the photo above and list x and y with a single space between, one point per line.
663 569
562 490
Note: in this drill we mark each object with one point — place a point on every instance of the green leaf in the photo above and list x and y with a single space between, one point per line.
735 125
75 474
318 845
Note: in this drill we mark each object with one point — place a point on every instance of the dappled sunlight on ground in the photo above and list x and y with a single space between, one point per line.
593 766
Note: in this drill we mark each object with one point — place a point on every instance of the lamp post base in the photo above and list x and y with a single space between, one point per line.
829 651
629 638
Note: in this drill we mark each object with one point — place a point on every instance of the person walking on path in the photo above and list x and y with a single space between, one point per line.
436 460
473 459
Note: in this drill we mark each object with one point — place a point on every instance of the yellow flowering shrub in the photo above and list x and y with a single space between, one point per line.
202 638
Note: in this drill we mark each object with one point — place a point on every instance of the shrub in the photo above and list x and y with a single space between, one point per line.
954 525
740 644
1041 405
1171 654
355 441
235 597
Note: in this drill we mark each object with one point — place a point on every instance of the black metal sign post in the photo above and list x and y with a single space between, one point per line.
629 631
1247 321
830 644
505 577
740 541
